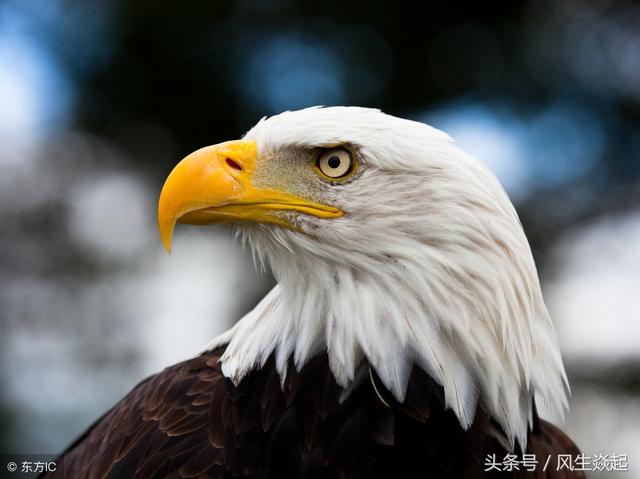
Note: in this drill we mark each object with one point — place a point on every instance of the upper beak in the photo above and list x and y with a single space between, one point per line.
214 185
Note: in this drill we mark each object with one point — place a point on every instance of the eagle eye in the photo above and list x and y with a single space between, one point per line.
335 163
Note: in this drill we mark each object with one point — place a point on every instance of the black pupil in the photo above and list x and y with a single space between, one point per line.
334 162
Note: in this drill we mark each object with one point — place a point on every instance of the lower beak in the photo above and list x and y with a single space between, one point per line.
214 185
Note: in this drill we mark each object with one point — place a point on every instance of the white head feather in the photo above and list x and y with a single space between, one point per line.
429 267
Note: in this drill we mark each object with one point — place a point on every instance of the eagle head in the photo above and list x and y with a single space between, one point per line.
392 249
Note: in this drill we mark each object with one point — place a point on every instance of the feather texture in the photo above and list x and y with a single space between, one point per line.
190 422
429 266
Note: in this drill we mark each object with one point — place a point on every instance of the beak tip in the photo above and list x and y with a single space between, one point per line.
166 233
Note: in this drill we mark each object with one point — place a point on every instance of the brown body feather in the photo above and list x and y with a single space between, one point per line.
189 421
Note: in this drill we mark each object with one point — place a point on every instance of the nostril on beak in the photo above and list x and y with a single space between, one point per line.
233 164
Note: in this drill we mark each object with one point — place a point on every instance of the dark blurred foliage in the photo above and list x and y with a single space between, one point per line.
181 68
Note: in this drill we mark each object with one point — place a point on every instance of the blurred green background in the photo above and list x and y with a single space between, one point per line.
99 99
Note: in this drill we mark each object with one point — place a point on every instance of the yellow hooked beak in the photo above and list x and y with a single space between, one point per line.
214 185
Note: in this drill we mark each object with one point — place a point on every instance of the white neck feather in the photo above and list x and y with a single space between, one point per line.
444 279
477 330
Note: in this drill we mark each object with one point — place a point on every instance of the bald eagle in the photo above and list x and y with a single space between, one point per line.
406 337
